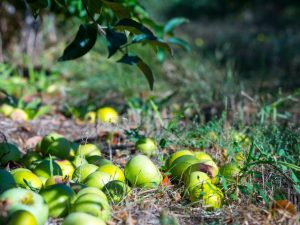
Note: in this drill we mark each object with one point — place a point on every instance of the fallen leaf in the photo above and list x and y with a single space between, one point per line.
284 205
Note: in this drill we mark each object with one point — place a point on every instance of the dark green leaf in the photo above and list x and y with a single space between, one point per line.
135 60
115 40
120 10
152 40
173 23
134 27
180 42
83 42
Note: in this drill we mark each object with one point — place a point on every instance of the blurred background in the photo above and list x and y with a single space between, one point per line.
243 56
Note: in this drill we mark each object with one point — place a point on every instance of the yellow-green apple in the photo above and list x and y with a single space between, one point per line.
116 191
23 199
115 172
98 160
47 168
88 150
176 155
97 179
58 198
140 171
66 166
80 218
22 217
107 115
26 179
83 171
146 146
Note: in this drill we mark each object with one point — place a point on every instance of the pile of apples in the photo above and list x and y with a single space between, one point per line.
64 179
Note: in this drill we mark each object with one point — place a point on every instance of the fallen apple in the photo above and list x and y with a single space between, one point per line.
208 167
6 109
29 158
66 166
116 191
146 146
19 115
176 155
92 190
97 179
55 180
107 115
94 205
203 156
196 178
180 164
90 117
79 161
47 168
6 181
56 145
140 171
23 199
88 150
115 172
230 171
22 217
80 218
83 171
58 198
212 197
9 153
26 179
98 160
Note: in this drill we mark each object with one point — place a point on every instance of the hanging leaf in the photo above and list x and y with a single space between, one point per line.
173 23
135 60
152 40
115 41
84 41
133 26
120 10
180 42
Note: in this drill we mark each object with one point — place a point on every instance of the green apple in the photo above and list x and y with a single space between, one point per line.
98 160
9 152
29 158
94 205
203 156
56 145
23 199
26 179
90 117
107 115
47 168
79 160
58 198
212 197
115 172
208 167
140 171
56 180
19 115
88 150
80 218
92 190
180 164
230 171
22 217
176 155
146 146
66 166
97 179
6 109
6 181
116 191
196 178
83 171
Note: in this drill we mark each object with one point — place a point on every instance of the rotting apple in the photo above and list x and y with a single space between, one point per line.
9 153
83 171
140 171
58 198
94 205
6 181
22 199
146 146
115 172
107 115
80 218
97 179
